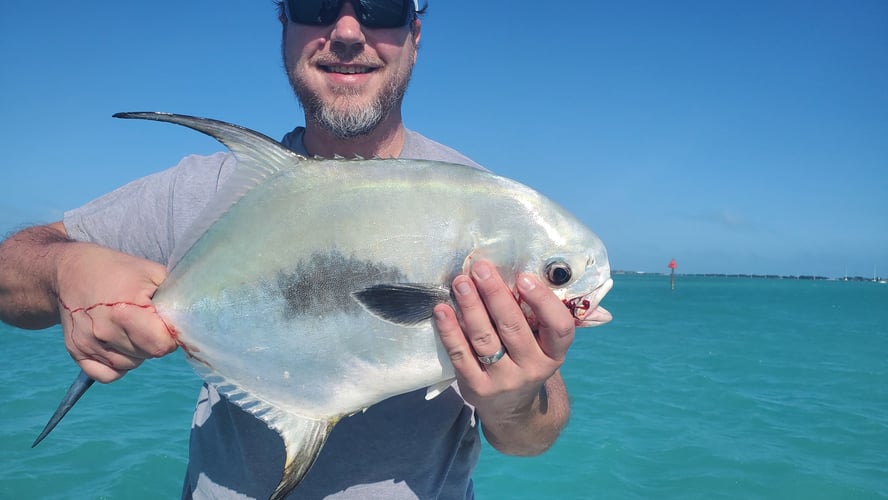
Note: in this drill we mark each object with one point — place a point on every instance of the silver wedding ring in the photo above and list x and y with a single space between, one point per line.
493 358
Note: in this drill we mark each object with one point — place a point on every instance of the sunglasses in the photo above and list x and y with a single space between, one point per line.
370 13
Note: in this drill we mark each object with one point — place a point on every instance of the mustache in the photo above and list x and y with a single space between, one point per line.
332 59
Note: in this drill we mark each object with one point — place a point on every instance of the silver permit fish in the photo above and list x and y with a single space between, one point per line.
304 292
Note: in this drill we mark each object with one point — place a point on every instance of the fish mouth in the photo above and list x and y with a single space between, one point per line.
586 309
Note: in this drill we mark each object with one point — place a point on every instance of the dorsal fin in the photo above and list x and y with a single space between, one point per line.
258 157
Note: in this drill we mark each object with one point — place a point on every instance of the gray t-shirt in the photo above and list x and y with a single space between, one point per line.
403 447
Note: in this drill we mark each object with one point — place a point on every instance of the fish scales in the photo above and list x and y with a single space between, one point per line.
304 293
353 244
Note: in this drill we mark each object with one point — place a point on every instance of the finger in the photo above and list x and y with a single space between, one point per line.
147 336
116 361
84 345
99 371
476 323
97 360
107 333
506 314
556 325
461 354
99 352
156 273
131 329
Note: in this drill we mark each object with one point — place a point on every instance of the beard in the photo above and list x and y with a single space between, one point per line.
347 116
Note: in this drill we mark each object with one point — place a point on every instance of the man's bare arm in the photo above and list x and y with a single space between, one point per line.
101 297
27 276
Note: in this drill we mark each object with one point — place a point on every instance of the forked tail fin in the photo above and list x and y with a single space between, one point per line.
77 389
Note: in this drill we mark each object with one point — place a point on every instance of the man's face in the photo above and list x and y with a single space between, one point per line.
349 78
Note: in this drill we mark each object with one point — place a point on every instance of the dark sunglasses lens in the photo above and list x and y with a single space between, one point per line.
313 12
384 13
371 13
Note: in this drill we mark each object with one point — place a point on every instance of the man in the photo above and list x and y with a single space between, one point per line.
349 65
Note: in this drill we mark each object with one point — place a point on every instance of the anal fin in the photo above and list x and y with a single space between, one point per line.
303 436
303 440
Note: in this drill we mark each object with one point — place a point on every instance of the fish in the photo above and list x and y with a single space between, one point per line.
304 291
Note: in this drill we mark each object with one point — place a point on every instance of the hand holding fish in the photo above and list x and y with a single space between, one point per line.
108 319
520 398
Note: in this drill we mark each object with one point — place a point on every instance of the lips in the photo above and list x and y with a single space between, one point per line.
347 70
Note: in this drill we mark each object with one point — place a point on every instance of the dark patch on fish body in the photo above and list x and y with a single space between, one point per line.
325 283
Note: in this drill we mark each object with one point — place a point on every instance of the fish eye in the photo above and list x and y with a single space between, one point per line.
558 272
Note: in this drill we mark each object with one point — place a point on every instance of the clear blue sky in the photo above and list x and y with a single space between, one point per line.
737 137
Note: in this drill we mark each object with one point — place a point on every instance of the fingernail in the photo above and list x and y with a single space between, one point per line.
525 284
463 288
439 315
481 270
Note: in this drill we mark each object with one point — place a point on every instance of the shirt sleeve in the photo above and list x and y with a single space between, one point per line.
146 217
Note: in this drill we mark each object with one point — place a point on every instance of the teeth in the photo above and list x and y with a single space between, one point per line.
349 70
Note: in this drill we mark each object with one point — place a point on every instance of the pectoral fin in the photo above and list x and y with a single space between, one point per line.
407 304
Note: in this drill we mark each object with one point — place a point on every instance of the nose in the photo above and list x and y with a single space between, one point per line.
347 34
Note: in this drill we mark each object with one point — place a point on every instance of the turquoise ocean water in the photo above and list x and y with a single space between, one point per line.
721 388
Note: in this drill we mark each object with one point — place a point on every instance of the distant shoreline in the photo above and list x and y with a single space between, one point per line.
756 276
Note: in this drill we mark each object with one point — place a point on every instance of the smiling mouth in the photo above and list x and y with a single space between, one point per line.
348 70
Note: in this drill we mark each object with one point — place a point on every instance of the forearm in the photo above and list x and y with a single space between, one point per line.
532 429
28 261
